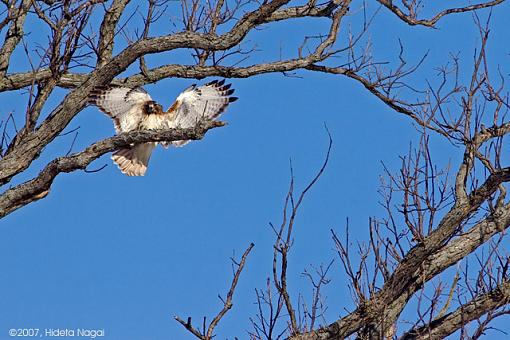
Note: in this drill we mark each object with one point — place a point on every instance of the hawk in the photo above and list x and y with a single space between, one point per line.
133 109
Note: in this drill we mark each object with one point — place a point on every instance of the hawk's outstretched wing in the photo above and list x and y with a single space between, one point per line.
129 109
133 109
195 103
124 105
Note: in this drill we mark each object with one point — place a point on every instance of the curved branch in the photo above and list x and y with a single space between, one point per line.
39 186
413 21
370 86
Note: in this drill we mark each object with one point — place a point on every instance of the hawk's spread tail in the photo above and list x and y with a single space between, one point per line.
134 161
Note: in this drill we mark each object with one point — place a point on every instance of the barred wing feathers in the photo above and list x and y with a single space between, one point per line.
133 109
196 103
124 105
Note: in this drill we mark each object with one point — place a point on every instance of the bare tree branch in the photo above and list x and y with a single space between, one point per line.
39 187
451 322
227 303
412 19
437 222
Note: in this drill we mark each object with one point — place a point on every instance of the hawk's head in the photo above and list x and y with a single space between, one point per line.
151 107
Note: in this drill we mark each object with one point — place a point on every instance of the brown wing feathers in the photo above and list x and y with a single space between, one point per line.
97 95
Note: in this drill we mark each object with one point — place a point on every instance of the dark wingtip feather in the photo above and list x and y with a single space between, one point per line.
229 92
96 93
101 89
190 88
232 99
221 82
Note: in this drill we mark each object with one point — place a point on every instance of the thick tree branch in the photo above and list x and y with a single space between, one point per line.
308 10
108 30
73 80
441 327
385 306
32 145
428 253
14 34
38 187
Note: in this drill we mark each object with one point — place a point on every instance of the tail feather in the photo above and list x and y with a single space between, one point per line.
134 161
179 143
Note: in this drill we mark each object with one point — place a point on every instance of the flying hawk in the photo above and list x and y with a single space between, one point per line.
133 109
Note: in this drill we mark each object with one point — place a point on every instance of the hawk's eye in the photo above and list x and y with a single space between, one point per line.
150 108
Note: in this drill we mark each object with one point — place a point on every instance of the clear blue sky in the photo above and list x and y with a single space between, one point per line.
125 254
